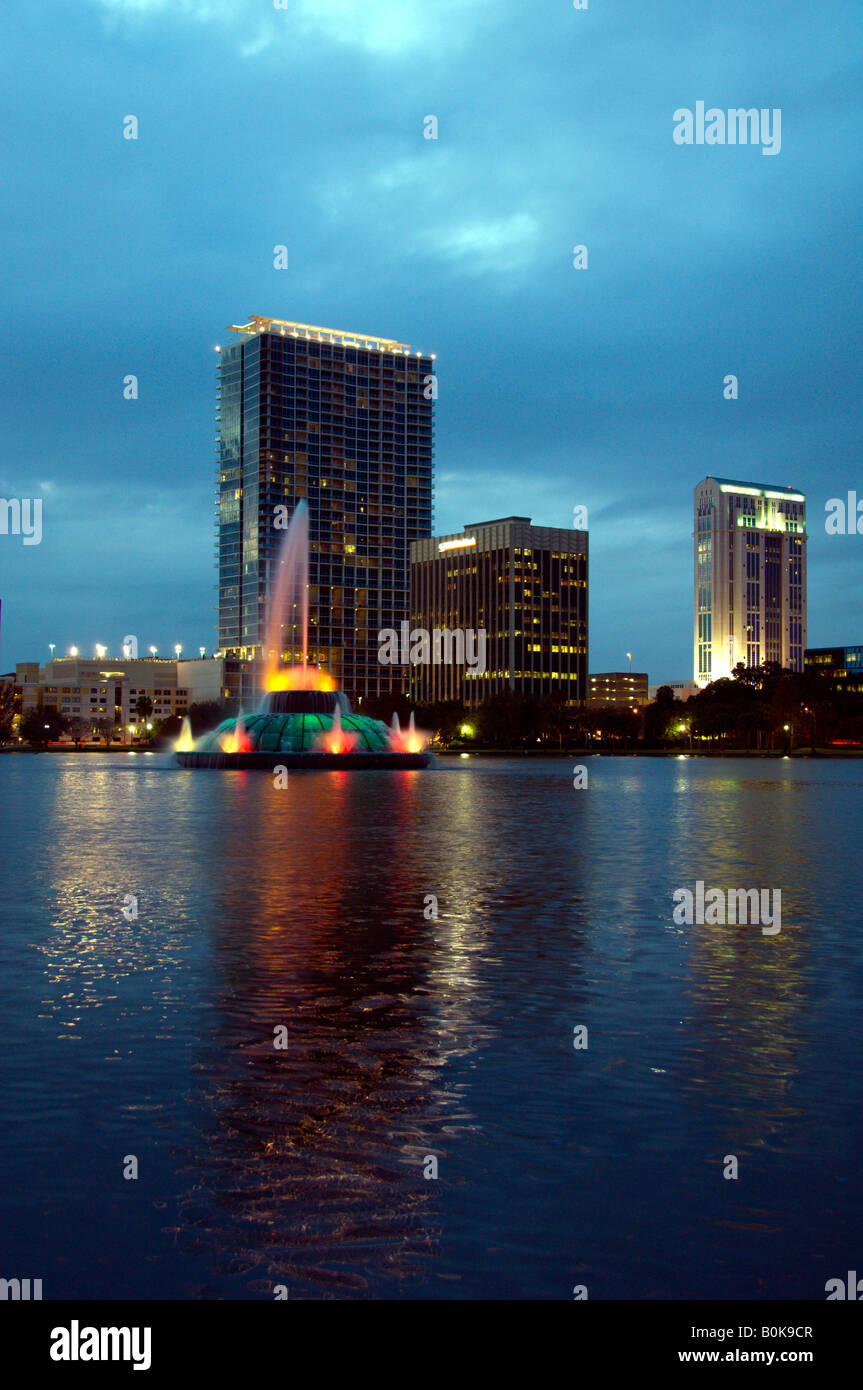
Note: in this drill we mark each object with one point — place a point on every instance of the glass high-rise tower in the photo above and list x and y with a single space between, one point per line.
343 421
750 577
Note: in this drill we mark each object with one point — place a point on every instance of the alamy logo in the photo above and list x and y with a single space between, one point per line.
842 520
744 906
76 1343
851 1291
737 126
18 1290
21 517
443 646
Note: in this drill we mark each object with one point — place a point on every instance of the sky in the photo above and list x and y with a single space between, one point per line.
559 387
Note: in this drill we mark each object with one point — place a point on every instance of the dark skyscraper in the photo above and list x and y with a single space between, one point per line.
344 421
525 588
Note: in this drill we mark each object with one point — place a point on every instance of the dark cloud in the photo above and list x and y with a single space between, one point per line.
558 387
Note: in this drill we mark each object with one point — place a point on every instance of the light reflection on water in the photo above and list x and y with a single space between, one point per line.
411 1037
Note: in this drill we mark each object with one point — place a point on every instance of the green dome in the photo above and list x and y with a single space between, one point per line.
298 733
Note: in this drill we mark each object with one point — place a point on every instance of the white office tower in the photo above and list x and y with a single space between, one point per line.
749 544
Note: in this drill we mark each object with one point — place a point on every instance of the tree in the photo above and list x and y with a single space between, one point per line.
560 721
383 707
443 718
617 725
79 729
143 708
662 717
512 720
8 710
105 727
43 726
204 715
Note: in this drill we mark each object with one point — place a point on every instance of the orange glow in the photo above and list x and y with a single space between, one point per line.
341 742
236 740
300 678
185 743
409 740
337 739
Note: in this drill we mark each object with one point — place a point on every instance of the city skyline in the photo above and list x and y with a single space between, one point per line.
560 386
286 487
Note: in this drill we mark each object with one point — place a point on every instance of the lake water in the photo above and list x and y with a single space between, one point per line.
411 1038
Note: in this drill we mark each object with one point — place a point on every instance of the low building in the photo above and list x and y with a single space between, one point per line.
110 688
680 689
619 689
844 665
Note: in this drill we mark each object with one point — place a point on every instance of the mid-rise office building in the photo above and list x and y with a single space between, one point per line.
618 689
344 422
750 577
522 591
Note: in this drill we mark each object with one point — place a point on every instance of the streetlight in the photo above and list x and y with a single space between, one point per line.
629 656
153 651
73 651
178 648
202 650
100 650
51 646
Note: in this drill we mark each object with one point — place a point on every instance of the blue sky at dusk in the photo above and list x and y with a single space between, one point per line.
304 127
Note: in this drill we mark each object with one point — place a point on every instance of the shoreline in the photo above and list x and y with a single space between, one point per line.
796 753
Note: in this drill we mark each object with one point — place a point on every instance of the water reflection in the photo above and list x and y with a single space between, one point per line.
312 1172
411 1034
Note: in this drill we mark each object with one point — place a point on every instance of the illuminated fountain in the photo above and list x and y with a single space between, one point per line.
409 740
185 743
303 720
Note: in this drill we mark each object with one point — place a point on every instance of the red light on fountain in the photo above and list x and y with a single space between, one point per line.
237 741
409 740
337 739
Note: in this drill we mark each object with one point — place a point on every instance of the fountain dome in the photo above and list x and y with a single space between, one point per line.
302 728
302 721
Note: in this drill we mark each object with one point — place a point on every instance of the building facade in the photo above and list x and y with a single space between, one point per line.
842 665
749 543
343 422
681 690
524 588
109 689
619 689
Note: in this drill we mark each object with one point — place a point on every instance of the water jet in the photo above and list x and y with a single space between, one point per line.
303 721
